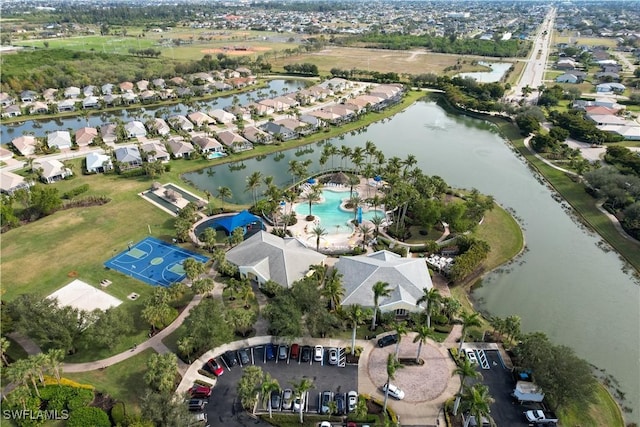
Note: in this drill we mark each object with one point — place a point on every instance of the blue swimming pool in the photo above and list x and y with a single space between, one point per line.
333 219
215 155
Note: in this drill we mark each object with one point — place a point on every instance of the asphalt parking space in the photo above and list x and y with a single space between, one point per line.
224 409
506 411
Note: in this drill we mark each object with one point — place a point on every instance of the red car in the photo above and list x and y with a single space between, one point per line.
200 391
214 367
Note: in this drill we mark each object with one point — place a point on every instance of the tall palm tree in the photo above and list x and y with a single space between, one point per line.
300 389
401 330
253 183
476 401
468 320
311 197
318 232
356 315
333 290
423 332
466 369
380 289
345 153
224 193
431 297
392 366
377 222
366 232
268 386
355 202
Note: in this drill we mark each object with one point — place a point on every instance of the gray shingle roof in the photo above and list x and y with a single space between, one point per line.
406 276
273 258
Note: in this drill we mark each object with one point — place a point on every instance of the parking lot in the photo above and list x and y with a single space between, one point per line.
506 411
223 408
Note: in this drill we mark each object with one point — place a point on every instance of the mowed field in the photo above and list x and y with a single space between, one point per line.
399 61
575 39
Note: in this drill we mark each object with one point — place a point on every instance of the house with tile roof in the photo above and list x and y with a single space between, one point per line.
60 139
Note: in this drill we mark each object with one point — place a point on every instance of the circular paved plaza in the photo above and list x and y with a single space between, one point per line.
420 383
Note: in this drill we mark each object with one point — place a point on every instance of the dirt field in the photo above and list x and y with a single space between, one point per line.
382 60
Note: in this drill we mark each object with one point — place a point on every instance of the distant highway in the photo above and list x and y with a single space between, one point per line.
533 73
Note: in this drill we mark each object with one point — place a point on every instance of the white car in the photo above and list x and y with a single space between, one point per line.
394 391
298 402
333 356
318 353
352 401
471 355
325 424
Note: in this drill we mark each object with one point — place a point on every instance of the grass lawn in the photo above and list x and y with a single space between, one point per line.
415 61
603 412
122 381
573 39
503 234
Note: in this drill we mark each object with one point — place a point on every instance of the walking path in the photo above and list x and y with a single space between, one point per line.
26 343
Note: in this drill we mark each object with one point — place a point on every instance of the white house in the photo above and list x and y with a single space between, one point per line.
60 139
135 129
98 163
52 170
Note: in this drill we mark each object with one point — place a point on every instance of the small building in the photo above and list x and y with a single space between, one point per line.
51 171
610 87
128 157
256 136
60 139
67 105
12 110
207 144
567 78
154 150
91 102
264 256
98 163
6 99
180 149
85 136
109 133
11 182
26 144
159 126
199 118
278 131
234 141
222 116
72 92
135 129
180 122
28 96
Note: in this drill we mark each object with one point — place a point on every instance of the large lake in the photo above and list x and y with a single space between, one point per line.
567 283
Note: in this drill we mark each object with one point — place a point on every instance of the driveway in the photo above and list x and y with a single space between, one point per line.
224 409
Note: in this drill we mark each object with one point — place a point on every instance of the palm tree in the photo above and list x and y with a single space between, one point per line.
4 346
355 202
356 315
300 389
253 183
376 221
318 232
392 366
224 193
468 320
345 153
311 197
466 369
476 401
401 330
245 293
365 232
155 314
333 290
423 332
380 289
268 386
431 297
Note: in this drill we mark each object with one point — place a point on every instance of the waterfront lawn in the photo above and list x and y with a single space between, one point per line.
603 412
122 381
503 234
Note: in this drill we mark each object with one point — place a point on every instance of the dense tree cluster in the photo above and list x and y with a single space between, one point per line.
621 194
473 253
625 160
305 68
582 129
461 46
563 376
68 328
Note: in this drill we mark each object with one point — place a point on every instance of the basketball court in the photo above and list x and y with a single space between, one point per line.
153 261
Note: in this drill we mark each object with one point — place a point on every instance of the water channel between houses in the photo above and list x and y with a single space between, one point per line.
566 283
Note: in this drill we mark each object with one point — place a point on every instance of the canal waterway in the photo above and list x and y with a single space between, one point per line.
41 128
567 283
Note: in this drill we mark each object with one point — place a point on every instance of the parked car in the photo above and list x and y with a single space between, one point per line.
388 340
283 352
197 404
325 424
333 356
230 358
341 405
275 400
270 351
199 417
298 402
324 398
318 353
306 353
352 400
394 391
243 355
287 399
471 355
295 352
200 391
213 367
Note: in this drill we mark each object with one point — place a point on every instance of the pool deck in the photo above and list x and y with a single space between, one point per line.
332 242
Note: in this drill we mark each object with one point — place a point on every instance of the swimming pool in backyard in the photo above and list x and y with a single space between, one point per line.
333 219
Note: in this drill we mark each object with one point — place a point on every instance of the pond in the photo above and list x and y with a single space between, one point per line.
498 70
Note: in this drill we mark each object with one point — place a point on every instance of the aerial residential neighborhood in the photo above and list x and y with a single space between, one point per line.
320 213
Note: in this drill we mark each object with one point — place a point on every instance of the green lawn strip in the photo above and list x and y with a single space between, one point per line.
171 340
122 381
603 412
504 235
